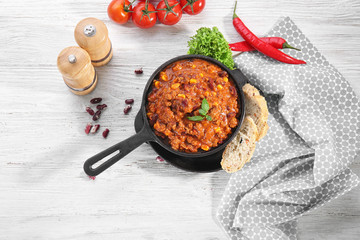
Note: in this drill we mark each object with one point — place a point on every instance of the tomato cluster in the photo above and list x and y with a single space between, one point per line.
144 14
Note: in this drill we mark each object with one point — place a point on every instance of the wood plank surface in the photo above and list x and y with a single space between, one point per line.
44 193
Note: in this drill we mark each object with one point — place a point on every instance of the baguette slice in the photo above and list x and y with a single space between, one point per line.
241 149
256 108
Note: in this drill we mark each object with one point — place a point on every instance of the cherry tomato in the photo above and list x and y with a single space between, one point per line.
192 7
119 11
144 15
169 12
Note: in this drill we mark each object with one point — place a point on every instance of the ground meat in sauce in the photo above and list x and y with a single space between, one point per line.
178 92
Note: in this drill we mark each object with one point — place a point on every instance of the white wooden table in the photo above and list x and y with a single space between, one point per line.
44 193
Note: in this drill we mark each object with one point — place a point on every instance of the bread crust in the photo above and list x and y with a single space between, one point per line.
263 131
250 91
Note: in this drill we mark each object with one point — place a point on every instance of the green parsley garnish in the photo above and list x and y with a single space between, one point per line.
211 42
203 112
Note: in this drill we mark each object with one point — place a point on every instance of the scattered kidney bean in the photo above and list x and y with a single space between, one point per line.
159 159
88 128
129 101
92 177
139 71
95 100
127 109
96 115
95 128
105 133
101 107
90 111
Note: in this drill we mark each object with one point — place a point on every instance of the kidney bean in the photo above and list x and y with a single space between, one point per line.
90 111
139 71
129 101
222 74
88 128
159 159
196 106
127 109
95 100
153 119
101 107
95 128
231 114
105 133
212 84
232 90
96 115
184 103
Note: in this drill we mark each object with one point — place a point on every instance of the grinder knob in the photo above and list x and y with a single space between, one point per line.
92 35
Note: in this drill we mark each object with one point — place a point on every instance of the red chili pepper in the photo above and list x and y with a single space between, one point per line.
262 46
276 42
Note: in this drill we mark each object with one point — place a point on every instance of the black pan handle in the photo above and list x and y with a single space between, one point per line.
124 148
239 77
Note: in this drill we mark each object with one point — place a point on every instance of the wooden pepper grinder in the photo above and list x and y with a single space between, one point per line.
79 75
92 35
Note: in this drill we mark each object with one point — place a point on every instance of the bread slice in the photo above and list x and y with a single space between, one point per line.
241 149
256 108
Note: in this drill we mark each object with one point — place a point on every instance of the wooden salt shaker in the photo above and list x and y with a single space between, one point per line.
92 35
79 75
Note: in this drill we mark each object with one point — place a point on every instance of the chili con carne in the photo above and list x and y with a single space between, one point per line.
177 93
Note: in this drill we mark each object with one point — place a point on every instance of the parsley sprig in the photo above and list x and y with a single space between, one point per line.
203 112
210 42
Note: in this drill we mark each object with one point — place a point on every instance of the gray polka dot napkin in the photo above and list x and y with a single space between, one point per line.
303 161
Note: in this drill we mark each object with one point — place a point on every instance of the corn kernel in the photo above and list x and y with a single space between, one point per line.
205 147
226 79
216 104
201 74
164 77
220 87
193 81
217 129
206 94
157 84
149 114
177 67
214 93
193 66
181 95
175 85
